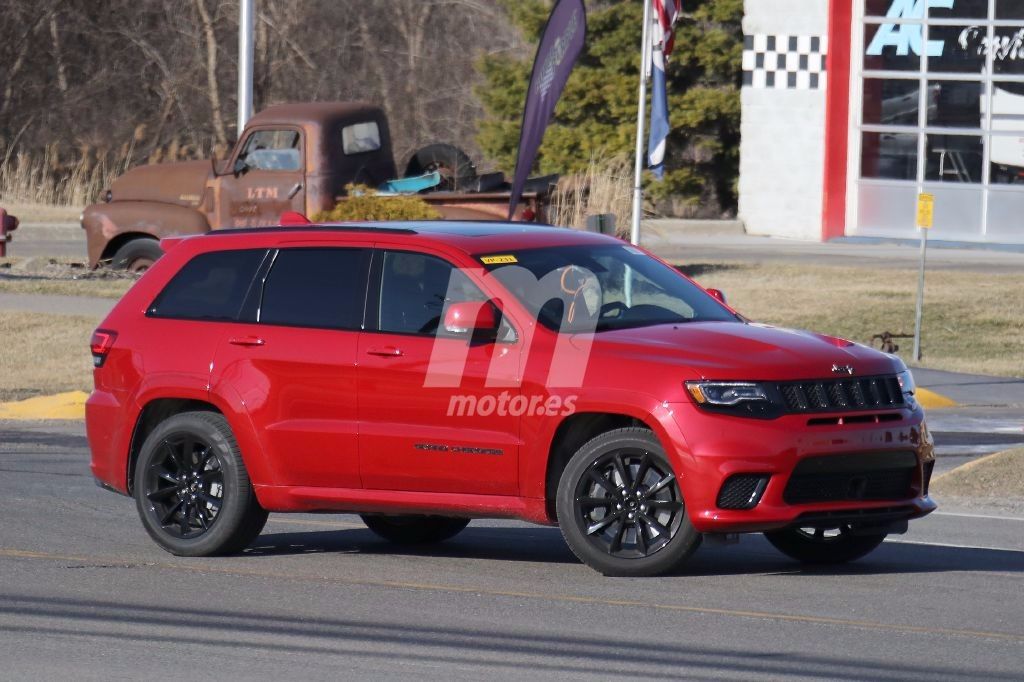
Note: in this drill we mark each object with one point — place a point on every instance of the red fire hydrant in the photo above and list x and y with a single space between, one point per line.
8 224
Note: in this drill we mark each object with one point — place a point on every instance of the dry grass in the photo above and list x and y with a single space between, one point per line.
52 178
62 276
972 322
996 477
43 354
605 187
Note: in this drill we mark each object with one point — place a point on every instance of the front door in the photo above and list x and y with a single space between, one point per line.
267 179
437 412
293 364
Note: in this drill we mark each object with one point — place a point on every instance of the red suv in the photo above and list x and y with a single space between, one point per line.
425 374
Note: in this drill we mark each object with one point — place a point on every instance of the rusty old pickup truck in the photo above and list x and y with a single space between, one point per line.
290 157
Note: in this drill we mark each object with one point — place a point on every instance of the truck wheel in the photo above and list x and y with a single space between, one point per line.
620 508
454 165
192 490
823 546
414 530
137 255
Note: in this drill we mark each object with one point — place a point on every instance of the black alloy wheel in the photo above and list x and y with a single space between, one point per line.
620 506
192 489
184 483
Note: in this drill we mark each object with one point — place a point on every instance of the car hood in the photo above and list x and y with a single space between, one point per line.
745 351
179 182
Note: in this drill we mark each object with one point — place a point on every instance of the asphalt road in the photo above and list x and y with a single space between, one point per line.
84 594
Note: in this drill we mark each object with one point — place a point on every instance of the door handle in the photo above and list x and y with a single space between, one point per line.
294 190
246 341
385 351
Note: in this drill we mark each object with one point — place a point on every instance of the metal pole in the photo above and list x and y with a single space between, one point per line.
245 61
920 297
638 198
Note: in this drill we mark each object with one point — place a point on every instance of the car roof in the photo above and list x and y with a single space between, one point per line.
473 237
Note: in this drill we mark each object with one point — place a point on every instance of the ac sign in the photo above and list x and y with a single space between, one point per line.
907 37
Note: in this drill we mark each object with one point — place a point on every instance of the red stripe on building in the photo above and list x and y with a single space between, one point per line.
837 118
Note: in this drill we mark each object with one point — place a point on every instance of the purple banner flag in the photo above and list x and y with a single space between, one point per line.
561 42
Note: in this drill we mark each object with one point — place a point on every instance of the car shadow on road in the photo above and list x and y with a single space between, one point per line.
545 545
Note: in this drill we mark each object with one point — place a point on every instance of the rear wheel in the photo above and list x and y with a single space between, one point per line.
192 490
414 530
620 507
137 255
824 545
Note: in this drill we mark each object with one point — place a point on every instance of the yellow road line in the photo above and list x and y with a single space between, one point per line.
539 596
70 405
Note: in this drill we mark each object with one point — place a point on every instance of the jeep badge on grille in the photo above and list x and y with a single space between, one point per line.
842 369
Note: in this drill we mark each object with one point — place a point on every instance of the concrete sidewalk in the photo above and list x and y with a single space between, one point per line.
672 240
87 306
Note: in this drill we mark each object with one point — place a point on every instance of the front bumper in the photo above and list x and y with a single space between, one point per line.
707 449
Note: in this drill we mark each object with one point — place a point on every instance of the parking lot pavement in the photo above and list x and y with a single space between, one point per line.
86 595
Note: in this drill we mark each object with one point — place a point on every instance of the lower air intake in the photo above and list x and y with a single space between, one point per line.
742 491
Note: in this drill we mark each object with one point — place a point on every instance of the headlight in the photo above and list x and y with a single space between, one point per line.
907 384
740 398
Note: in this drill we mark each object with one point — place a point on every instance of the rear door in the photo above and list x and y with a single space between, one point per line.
293 362
437 412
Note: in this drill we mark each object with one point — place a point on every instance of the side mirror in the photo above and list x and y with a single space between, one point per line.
470 318
717 293
240 166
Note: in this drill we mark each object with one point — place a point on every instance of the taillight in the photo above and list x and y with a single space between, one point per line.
100 344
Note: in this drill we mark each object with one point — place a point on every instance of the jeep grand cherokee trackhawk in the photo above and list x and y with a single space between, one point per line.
424 374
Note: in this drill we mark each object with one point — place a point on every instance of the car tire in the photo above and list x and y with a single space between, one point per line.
192 490
414 530
817 546
620 507
137 255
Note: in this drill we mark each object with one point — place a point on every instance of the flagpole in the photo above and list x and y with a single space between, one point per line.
638 197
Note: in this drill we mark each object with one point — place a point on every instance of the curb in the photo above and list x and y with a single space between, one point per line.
930 400
70 405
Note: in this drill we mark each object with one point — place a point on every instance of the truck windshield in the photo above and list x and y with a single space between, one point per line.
585 288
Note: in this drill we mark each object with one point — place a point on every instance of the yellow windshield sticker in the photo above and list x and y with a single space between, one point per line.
498 260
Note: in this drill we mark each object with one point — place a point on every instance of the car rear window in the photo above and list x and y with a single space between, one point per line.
211 286
316 288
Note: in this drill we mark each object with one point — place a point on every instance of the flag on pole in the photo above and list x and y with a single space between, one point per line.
561 42
663 40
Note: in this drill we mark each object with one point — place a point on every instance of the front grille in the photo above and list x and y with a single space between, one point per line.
742 491
841 395
840 478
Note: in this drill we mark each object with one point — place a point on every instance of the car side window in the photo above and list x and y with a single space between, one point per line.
273 150
211 286
414 288
316 288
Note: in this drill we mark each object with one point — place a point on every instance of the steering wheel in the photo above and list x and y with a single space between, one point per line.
618 307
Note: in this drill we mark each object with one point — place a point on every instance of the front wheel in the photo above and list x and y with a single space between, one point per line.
192 490
824 545
137 255
620 507
414 530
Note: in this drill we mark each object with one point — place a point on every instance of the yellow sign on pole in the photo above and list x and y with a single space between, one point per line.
925 210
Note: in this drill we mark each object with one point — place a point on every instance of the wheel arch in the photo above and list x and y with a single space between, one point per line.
150 416
570 435
120 240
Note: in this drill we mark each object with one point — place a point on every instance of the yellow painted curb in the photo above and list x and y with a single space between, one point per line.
69 405
930 400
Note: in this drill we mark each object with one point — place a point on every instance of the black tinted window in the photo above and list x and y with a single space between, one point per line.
211 286
316 288
413 291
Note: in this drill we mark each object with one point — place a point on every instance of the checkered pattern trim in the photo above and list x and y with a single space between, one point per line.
784 62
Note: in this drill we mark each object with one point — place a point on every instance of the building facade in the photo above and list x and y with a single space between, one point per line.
851 108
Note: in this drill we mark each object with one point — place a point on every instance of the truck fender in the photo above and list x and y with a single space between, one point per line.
109 226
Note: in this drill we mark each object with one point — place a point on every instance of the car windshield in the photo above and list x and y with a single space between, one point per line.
586 288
